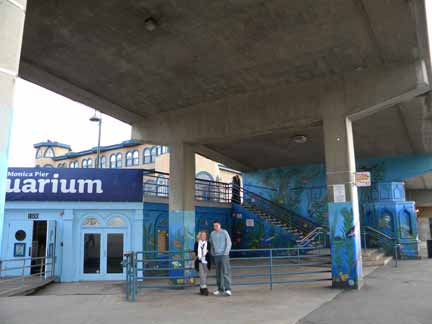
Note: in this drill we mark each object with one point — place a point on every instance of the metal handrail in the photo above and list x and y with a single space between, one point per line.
143 266
278 212
368 230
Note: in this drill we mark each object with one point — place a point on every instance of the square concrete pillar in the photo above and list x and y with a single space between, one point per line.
181 210
343 208
12 14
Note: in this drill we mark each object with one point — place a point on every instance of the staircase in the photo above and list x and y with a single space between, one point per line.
306 232
375 258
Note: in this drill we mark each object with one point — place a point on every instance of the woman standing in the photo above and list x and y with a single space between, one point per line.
203 260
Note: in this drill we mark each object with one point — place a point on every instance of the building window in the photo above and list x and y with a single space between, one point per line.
163 149
91 221
116 221
135 158
119 160
38 153
48 166
87 163
49 152
102 162
147 156
116 161
129 159
154 153
61 165
74 164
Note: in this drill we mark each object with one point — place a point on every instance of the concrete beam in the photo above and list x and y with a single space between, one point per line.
283 107
31 72
422 197
216 156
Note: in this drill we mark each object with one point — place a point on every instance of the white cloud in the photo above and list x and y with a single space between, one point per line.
40 114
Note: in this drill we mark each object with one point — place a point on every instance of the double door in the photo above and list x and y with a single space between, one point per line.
102 254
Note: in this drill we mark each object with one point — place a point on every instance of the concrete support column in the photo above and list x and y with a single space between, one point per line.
12 14
69 253
343 208
181 206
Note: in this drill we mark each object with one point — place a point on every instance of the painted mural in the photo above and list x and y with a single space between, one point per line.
302 189
251 232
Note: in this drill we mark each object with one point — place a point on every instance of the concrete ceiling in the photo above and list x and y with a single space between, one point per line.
100 53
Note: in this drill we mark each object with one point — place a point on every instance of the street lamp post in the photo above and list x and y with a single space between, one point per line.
97 119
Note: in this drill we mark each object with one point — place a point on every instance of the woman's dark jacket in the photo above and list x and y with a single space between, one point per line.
208 256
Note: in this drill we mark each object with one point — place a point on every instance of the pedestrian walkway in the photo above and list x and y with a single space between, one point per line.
22 286
103 303
390 295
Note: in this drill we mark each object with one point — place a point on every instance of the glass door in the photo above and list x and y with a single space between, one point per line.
102 254
114 255
92 253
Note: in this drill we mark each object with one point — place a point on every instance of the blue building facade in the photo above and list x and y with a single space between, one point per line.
87 219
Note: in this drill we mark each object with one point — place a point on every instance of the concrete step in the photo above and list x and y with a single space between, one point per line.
377 263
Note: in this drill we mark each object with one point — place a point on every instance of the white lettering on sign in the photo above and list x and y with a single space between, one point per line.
339 193
54 185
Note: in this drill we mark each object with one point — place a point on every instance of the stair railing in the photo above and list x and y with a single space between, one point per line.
318 233
370 232
276 211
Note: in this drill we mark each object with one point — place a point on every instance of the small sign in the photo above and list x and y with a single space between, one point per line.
339 193
363 179
250 222
33 216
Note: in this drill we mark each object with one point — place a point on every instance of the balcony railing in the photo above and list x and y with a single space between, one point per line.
156 184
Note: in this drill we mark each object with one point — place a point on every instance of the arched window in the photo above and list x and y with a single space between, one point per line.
135 157
38 153
89 163
49 152
129 160
74 164
119 160
147 156
84 163
205 188
164 149
116 221
102 162
48 166
113 161
154 153
91 221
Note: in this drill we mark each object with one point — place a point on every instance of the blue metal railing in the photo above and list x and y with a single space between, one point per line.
156 184
249 266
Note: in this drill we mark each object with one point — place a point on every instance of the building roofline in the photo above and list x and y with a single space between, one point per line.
128 143
52 144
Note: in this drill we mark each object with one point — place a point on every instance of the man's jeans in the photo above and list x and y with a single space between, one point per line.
223 272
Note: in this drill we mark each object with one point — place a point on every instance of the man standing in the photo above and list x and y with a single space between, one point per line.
220 248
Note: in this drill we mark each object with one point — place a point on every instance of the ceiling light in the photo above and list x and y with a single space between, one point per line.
299 139
150 23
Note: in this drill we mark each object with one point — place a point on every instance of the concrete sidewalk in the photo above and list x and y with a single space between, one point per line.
397 296
94 303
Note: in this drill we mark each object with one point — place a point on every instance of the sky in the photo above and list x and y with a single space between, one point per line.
40 115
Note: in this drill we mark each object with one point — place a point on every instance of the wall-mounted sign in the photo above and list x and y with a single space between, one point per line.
250 222
64 184
363 179
33 216
339 193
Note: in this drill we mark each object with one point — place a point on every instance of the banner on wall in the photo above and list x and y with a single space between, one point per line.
64 184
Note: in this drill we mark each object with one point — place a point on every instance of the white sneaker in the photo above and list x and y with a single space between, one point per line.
216 292
228 292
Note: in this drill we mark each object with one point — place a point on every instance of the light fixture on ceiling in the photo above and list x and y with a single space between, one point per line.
299 139
150 23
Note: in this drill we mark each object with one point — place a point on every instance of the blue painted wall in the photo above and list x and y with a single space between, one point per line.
156 219
303 188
